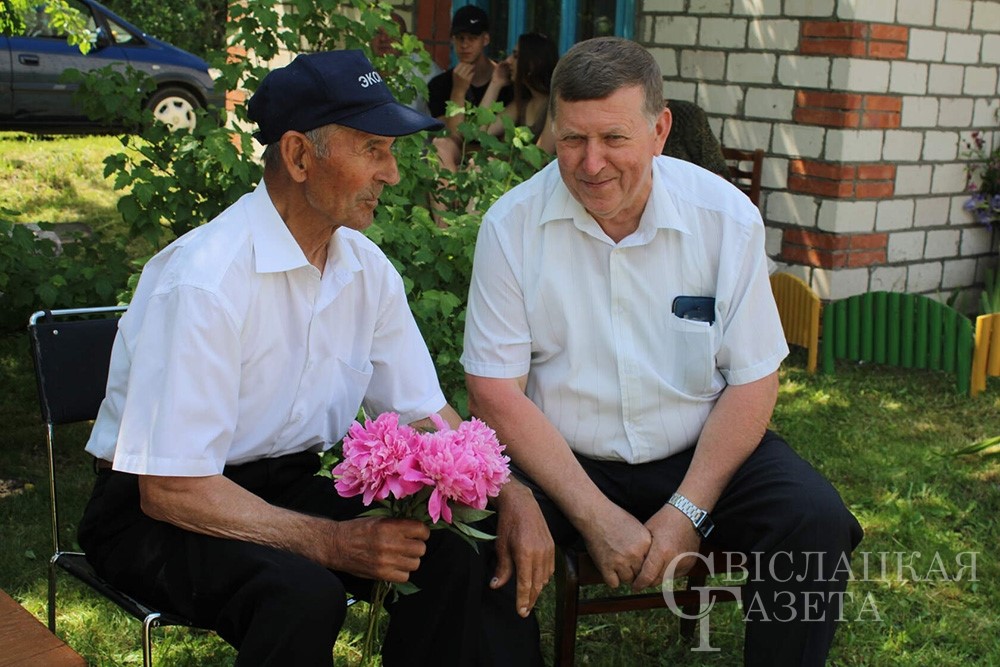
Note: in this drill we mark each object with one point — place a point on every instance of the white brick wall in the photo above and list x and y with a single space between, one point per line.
902 146
804 72
908 78
888 278
757 7
846 217
958 273
880 11
775 103
926 45
774 173
751 67
711 6
854 145
773 35
724 100
919 112
798 140
703 65
942 243
961 48
772 241
791 208
914 12
931 212
905 246
923 277
991 49
679 31
913 179
953 14
841 284
980 80
975 240
948 178
945 80
724 33
663 5
893 214
667 60
955 112
811 8
746 134
985 15
984 112
859 76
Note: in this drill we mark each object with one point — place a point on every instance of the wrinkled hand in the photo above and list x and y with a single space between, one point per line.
524 546
617 543
672 535
461 78
378 548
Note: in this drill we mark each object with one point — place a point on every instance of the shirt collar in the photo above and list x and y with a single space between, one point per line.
661 211
277 251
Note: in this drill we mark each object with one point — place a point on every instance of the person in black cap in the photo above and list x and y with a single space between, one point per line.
248 349
468 80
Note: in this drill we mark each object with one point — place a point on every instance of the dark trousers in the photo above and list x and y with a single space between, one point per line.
778 513
275 607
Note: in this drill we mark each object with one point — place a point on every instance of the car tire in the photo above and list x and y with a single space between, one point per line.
174 106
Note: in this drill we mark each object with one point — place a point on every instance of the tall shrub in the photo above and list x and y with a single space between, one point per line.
180 180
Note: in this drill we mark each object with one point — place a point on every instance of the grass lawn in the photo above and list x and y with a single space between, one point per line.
58 179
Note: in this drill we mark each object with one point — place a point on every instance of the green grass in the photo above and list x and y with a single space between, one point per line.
883 436
58 179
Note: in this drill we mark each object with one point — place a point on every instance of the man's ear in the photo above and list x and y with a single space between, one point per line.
296 154
661 129
486 39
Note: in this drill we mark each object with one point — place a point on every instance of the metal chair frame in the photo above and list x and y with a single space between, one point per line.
88 369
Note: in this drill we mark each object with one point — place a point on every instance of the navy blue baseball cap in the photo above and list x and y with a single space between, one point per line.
340 87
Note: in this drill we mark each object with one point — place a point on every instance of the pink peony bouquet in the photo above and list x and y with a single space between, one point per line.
442 478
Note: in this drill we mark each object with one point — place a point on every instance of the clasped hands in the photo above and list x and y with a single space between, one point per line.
628 552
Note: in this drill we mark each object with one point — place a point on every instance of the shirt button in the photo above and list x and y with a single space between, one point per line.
297 417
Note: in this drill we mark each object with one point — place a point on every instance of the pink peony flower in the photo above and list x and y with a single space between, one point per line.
379 460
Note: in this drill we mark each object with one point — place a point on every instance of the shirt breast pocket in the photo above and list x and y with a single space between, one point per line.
349 385
692 347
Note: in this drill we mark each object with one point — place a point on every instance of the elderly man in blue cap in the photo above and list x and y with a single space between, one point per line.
249 347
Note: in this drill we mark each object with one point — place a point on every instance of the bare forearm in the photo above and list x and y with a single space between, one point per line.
218 507
732 432
536 447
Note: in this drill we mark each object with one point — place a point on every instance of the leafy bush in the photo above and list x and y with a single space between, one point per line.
179 180
35 273
198 26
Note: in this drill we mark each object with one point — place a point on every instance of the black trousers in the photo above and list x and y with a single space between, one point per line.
275 607
779 515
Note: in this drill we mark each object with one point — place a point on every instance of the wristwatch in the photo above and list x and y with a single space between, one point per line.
702 521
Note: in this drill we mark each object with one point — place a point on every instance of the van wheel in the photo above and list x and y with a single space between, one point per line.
174 106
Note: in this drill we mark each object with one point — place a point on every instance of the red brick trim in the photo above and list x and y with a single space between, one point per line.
840 180
833 251
853 39
850 110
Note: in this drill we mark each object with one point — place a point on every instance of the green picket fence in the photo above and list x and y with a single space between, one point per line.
905 330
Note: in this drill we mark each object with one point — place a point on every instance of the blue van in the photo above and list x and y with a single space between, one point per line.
32 98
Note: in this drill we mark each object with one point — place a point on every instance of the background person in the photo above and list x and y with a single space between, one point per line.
622 339
248 348
467 81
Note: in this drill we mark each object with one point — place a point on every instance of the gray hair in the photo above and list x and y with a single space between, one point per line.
271 157
595 68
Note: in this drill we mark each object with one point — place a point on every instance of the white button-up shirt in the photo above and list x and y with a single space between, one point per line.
590 322
235 348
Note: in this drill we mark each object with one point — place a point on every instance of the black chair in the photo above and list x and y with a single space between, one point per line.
72 352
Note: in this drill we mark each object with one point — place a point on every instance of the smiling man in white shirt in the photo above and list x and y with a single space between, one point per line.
623 341
248 348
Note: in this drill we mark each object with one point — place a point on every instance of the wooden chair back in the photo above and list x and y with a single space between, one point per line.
745 170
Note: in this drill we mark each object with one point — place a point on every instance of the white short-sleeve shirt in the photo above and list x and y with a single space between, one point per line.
235 348
590 322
